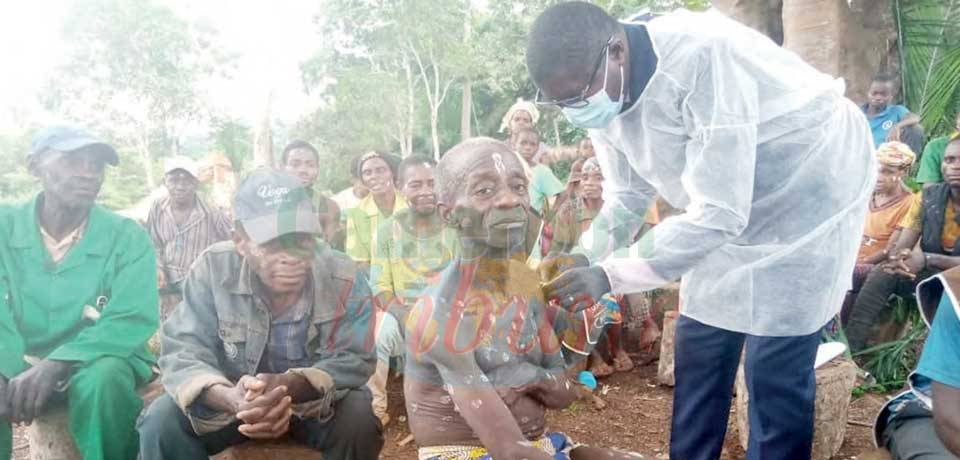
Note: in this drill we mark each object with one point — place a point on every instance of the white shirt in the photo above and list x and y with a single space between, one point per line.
772 164
345 199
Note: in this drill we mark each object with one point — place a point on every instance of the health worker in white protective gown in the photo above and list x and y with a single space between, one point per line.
774 168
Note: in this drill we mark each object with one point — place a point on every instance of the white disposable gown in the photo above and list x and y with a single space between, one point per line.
773 166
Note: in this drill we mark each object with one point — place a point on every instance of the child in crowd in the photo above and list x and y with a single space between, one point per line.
887 120
545 188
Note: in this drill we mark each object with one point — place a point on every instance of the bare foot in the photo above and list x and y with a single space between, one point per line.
599 367
622 361
649 335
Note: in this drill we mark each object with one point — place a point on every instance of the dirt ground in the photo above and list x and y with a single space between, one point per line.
637 418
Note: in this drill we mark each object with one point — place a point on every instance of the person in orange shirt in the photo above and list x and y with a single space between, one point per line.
933 221
889 204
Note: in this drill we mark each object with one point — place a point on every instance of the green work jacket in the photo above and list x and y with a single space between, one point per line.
111 269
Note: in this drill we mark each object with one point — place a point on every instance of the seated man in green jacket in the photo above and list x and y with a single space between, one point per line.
78 301
273 337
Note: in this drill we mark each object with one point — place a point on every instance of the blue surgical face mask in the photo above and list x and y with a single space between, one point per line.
600 110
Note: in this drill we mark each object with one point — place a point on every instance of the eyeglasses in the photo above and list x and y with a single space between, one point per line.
579 101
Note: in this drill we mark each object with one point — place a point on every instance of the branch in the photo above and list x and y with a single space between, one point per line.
423 70
446 87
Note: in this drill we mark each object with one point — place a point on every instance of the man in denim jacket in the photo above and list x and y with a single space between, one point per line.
272 338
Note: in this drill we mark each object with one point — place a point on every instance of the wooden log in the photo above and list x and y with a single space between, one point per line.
49 435
667 344
50 438
282 449
835 381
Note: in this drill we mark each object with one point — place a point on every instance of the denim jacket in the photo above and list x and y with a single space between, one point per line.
219 332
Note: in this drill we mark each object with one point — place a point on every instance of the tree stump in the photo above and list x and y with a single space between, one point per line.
835 381
667 346
282 449
50 437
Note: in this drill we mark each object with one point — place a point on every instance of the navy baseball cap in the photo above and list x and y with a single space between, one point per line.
66 138
271 203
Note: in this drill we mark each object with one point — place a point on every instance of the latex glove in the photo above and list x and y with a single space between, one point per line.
578 288
554 265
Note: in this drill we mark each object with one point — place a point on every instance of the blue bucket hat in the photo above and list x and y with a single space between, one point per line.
67 139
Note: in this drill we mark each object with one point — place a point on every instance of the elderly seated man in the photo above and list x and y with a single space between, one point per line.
924 422
483 361
78 301
272 338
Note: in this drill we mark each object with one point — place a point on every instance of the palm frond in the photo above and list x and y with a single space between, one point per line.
930 49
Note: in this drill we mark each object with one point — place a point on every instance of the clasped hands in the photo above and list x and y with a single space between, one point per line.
264 403
907 263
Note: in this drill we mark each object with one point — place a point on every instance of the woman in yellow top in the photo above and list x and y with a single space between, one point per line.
377 172
889 205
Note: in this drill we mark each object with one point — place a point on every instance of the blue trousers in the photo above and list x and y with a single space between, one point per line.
780 379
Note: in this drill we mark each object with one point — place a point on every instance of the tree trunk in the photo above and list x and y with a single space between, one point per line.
466 110
852 40
466 106
411 101
436 92
143 145
263 139
763 15
435 131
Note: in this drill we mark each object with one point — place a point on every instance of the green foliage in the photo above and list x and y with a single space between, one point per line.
930 39
892 362
123 186
561 169
16 184
133 74
234 138
363 77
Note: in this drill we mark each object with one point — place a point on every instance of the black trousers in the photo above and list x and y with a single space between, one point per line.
353 433
873 299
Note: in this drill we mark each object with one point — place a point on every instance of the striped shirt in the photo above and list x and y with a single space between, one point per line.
177 246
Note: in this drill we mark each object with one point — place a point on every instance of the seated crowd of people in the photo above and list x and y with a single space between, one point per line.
286 318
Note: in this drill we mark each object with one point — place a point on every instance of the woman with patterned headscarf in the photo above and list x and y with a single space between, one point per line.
890 202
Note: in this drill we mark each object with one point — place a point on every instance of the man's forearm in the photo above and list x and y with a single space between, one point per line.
556 393
300 389
907 239
875 258
946 416
942 262
219 398
909 120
